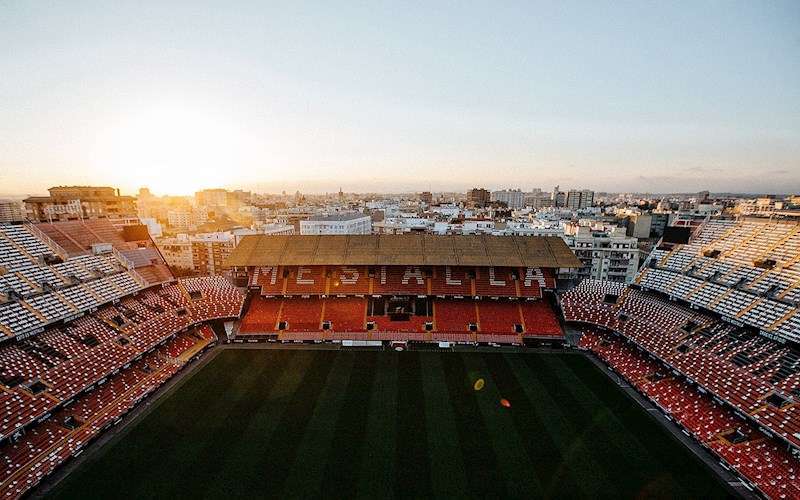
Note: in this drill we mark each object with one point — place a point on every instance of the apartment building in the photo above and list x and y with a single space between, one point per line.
342 223
607 253
80 202
11 211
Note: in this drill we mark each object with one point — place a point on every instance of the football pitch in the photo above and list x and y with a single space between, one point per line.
314 423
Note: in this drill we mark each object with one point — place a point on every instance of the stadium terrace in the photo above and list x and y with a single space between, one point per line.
91 322
408 292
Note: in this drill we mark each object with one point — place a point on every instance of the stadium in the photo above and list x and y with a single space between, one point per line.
399 365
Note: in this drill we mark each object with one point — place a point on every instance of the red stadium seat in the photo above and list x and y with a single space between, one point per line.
348 280
306 280
540 319
451 281
737 367
262 316
496 282
454 316
401 280
385 324
302 315
532 281
346 314
270 279
763 461
498 317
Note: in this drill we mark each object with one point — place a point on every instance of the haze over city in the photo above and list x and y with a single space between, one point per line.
393 97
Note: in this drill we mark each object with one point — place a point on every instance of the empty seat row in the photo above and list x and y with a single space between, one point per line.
735 364
762 461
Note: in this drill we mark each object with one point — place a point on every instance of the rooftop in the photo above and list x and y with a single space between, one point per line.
337 217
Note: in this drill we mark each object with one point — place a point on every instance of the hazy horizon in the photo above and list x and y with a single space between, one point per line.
384 97
388 192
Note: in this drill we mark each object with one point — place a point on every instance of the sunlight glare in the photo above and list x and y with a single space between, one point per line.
174 150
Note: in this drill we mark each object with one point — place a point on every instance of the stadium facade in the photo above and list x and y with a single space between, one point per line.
419 288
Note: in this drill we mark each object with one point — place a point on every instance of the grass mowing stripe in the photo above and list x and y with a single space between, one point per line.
242 425
448 476
341 469
283 444
376 453
172 413
576 465
413 467
239 472
238 408
484 477
545 456
673 464
306 475
594 423
214 379
617 443
512 460
136 461
622 444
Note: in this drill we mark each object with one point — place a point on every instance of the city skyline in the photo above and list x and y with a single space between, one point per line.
617 98
411 192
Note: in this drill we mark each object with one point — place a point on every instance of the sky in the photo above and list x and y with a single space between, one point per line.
400 96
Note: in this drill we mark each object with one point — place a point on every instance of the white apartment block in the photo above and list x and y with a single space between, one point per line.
153 226
606 255
513 198
758 206
275 229
11 211
476 226
537 199
210 250
177 252
202 253
179 218
353 223
579 199
401 225
538 228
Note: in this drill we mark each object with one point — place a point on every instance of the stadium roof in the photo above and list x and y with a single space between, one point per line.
402 249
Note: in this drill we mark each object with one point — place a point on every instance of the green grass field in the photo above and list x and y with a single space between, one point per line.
302 423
